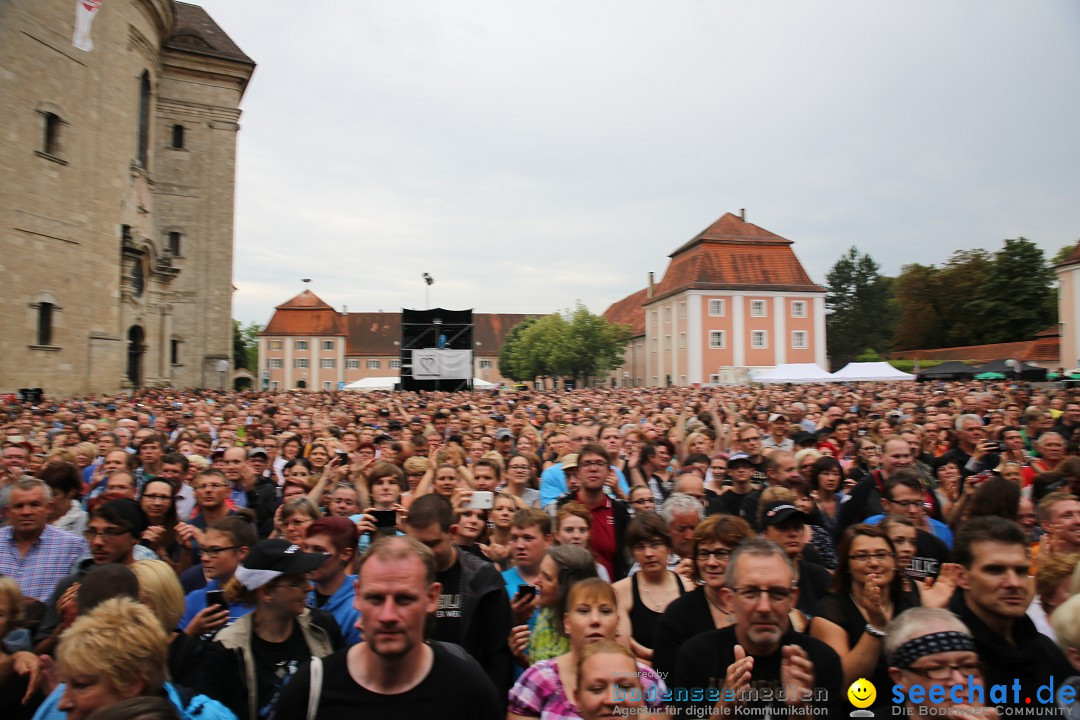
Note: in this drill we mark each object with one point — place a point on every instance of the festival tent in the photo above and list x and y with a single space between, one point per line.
791 373
1027 371
870 372
952 370
387 383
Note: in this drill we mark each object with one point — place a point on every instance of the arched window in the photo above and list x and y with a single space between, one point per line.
144 120
45 323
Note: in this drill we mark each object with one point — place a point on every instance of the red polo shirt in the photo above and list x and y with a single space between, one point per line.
602 533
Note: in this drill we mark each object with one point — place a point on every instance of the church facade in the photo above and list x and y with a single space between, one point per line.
116 205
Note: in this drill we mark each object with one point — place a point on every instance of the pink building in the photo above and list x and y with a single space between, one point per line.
733 298
309 345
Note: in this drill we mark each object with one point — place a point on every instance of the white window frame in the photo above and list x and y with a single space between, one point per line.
328 363
327 344
759 308
301 363
301 344
682 341
717 340
798 308
374 364
485 364
275 363
275 385
667 342
764 339
714 379
395 364
796 336
717 307
682 308
274 345
352 364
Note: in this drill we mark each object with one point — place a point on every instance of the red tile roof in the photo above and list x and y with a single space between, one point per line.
305 314
1074 257
629 311
732 254
379 333
1043 349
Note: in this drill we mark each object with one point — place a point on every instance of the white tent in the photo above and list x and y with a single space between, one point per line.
791 373
374 383
870 372
387 383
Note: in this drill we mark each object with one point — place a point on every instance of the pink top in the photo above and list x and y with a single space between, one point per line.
539 693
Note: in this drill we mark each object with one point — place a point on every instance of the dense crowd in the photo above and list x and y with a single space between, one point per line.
520 554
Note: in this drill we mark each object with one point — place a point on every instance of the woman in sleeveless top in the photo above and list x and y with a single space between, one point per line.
645 595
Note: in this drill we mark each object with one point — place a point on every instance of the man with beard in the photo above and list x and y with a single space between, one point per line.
393 672
758 664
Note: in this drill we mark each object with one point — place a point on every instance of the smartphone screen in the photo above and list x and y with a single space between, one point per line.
216 597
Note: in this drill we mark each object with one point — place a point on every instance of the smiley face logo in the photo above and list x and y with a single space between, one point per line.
862 693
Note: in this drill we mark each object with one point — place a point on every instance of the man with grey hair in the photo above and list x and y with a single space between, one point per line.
758 666
927 646
32 552
682 513
797 416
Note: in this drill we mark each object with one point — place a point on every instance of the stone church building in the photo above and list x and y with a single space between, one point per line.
118 170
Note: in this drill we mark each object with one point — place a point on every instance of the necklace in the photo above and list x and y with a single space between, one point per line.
651 601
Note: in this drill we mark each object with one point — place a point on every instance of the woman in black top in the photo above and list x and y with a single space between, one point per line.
868 593
701 610
644 596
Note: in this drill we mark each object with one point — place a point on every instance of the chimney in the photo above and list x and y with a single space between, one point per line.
652 283
742 214
345 310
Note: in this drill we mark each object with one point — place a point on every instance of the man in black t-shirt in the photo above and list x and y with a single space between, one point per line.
758 664
393 672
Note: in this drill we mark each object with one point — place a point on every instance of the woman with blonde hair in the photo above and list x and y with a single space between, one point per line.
116 652
160 590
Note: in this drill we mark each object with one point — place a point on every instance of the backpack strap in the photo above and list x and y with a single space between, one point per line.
315 691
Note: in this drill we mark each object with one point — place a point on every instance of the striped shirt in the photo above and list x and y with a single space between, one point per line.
45 563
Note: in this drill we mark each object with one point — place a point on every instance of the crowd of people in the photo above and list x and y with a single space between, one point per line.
527 554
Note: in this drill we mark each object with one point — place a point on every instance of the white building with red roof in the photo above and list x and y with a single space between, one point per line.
733 298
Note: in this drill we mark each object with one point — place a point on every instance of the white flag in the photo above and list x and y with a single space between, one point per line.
84 16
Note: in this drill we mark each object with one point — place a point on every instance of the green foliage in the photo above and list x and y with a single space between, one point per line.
246 345
977 298
573 343
868 355
1062 255
860 306
909 365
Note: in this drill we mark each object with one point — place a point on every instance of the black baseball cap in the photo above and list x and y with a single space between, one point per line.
269 559
780 511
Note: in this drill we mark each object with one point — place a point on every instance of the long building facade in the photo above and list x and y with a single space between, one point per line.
308 345
116 205
733 298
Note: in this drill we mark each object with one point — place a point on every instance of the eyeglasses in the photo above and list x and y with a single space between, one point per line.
943 672
703 554
211 486
165 498
643 501
880 556
213 552
91 534
907 504
776 595
592 464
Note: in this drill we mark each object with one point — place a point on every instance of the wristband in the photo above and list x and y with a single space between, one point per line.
880 634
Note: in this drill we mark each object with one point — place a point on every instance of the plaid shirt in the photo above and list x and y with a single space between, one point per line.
48 560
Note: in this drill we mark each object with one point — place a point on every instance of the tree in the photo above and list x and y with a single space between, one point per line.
861 314
1062 255
1016 299
246 345
936 305
574 343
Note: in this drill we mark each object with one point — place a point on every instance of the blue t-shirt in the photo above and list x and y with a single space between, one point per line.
196 602
340 605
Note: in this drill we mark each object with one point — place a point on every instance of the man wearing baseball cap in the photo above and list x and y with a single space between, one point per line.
254 657
785 525
741 499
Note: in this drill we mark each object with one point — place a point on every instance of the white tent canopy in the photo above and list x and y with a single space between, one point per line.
870 372
791 373
387 383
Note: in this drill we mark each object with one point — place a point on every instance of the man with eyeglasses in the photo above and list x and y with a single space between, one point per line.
112 532
211 492
785 525
748 440
759 664
553 480
905 495
994 591
222 548
927 647
609 516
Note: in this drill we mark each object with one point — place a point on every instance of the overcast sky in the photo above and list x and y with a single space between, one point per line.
529 154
